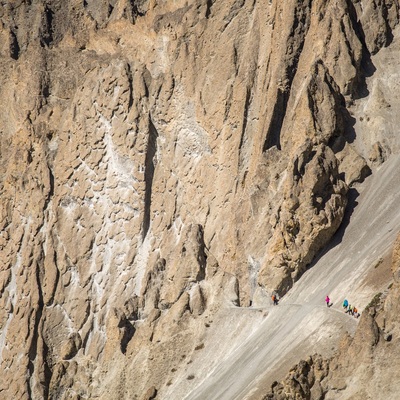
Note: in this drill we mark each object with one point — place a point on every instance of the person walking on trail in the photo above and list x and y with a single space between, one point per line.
327 301
345 304
275 299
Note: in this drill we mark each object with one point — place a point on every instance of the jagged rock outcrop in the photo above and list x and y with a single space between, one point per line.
303 381
159 161
366 365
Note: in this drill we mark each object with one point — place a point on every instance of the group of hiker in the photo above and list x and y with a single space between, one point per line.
349 309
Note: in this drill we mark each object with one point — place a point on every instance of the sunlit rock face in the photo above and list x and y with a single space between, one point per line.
159 161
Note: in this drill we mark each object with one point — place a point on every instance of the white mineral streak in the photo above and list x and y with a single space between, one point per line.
142 257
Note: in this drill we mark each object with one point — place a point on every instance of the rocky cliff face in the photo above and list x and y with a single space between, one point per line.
161 160
366 366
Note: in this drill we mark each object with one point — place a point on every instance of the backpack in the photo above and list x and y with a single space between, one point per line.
273 297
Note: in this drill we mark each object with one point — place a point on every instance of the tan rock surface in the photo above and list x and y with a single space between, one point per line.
160 161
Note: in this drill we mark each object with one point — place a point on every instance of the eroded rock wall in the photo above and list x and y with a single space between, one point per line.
160 160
